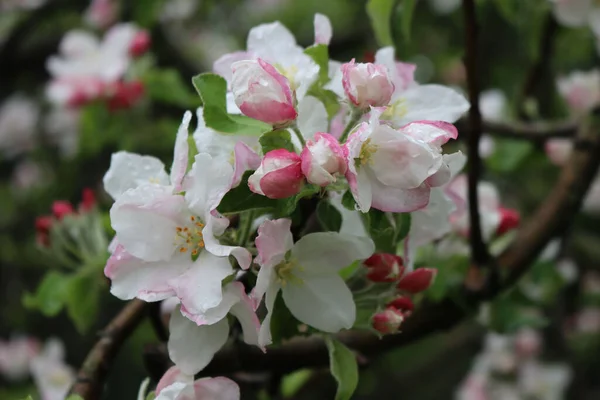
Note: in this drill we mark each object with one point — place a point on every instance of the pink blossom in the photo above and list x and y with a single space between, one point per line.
402 303
140 43
559 150
102 13
177 385
384 267
323 29
279 175
262 93
581 90
16 355
417 281
367 85
387 321
323 159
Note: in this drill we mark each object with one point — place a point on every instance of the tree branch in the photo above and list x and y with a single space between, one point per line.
91 375
479 252
537 132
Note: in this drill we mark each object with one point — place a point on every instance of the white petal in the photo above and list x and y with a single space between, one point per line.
323 29
192 347
264 335
323 302
328 252
180 156
174 391
219 388
215 226
432 102
312 117
243 310
145 221
209 180
573 12
130 170
351 220
432 222
200 288
270 41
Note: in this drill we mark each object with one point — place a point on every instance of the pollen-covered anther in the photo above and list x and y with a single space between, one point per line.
190 238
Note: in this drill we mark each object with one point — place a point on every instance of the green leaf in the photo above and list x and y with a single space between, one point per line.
509 154
381 229
329 217
212 89
328 98
74 397
293 382
31 398
242 198
146 13
287 206
343 366
279 139
348 201
82 298
283 324
49 298
166 86
380 14
320 54
407 12
403 221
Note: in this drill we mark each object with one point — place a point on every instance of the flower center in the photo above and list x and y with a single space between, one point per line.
290 73
285 272
59 377
397 109
189 237
366 153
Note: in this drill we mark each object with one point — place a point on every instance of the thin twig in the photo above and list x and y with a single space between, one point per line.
93 372
479 252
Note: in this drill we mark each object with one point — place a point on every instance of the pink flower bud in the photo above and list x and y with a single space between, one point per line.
387 321
417 280
42 229
322 159
88 200
384 267
262 93
367 84
123 95
509 219
61 208
140 43
279 175
402 303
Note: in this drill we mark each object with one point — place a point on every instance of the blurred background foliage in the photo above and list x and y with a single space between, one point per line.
187 36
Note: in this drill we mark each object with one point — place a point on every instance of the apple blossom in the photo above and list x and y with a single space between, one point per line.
384 267
307 274
323 159
367 85
417 281
176 385
323 29
18 118
492 104
165 242
102 13
573 13
51 375
276 45
279 175
394 170
27 175
192 345
262 93
351 219
402 303
387 321
581 90
16 355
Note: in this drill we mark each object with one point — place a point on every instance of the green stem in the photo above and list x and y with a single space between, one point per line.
245 228
354 118
299 135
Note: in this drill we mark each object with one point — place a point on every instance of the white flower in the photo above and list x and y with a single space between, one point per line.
18 118
16 355
177 385
307 275
51 375
581 90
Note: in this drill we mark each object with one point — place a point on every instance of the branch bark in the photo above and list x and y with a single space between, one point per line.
95 368
479 251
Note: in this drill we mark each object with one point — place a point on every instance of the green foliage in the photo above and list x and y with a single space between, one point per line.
82 298
348 201
293 382
380 13
242 198
509 154
283 324
510 312
329 217
328 98
74 397
279 139
320 54
49 297
287 206
407 10
344 368
382 230
166 86
146 13
212 89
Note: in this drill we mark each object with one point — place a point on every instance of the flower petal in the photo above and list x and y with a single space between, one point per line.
215 225
312 117
323 29
219 388
321 301
192 347
180 158
243 310
130 170
264 335
432 102
210 179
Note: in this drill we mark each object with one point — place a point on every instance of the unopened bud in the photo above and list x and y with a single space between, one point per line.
387 321
61 208
402 303
384 267
417 280
140 43
88 200
42 229
509 219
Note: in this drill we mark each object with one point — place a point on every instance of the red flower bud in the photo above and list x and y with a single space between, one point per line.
402 303
387 321
60 208
384 267
417 280
125 94
42 228
140 44
509 219
88 200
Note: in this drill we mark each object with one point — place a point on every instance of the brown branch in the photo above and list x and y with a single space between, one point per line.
91 375
537 132
479 252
